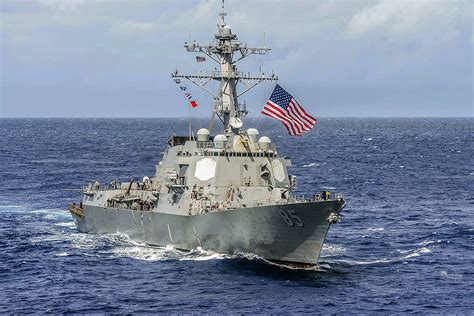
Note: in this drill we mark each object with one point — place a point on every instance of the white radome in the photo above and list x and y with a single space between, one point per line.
227 30
264 142
203 135
264 139
252 133
220 141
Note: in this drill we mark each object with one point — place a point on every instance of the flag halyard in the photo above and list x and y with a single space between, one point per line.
188 96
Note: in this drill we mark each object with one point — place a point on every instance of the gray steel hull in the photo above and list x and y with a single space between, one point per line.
265 231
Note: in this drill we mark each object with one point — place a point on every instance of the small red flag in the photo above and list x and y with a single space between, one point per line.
193 104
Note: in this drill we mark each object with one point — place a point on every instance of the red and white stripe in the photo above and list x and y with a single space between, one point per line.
294 118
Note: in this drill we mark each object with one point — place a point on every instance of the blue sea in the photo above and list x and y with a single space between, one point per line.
405 244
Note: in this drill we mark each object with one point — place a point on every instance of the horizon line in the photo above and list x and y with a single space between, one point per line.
204 117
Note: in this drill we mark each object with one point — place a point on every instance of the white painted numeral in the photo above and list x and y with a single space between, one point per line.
291 217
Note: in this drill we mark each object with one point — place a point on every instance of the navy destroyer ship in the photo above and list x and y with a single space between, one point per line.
229 193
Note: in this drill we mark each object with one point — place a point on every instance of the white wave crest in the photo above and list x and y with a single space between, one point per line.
332 250
52 213
419 250
169 252
429 242
375 229
66 224
416 253
363 262
408 255
47 239
146 253
11 206
313 164
199 254
49 211
447 275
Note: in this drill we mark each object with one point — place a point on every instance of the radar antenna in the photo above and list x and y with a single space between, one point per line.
222 14
222 51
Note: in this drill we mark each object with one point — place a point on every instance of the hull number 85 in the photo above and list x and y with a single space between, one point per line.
291 218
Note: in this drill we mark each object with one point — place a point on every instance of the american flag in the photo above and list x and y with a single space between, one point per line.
283 107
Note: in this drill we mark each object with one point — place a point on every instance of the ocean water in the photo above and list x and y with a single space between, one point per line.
405 243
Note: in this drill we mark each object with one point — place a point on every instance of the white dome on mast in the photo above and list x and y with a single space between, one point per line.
203 135
226 30
220 141
264 143
252 134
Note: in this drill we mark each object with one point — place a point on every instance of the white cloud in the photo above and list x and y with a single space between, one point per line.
407 20
327 42
68 5
134 27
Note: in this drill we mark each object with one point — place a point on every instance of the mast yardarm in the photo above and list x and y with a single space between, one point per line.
227 51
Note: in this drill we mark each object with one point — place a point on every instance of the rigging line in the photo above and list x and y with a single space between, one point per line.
189 121
267 87
262 94
190 117
203 87
189 109
211 123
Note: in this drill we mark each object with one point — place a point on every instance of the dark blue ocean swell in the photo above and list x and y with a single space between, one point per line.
405 243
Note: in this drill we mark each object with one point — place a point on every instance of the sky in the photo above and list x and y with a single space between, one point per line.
338 58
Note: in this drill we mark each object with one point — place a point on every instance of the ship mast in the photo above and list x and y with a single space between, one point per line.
227 51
